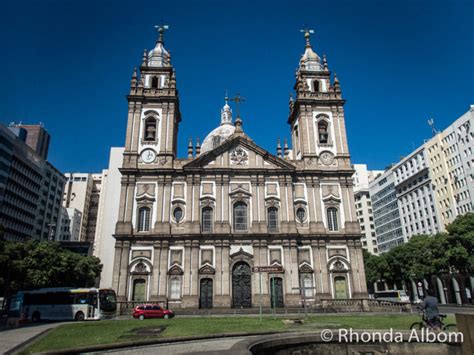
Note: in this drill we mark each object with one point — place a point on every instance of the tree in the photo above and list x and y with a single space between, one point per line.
33 264
460 248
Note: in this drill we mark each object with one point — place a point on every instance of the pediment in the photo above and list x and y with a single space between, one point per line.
175 270
207 270
239 152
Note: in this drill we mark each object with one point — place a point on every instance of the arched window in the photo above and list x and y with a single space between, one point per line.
272 219
316 85
323 133
301 214
144 219
207 219
240 216
175 288
154 82
178 214
332 219
150 129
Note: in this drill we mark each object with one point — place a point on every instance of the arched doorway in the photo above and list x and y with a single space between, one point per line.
206 292
138 290
276 295
241 286
340 288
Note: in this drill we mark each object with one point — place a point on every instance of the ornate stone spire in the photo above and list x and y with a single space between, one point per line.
133 82
190 148
278 148
198 146
286 150
226 112
145 58
159 56
337 86
310 60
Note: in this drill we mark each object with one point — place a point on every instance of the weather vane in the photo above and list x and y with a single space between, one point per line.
307 33
238 100
161 30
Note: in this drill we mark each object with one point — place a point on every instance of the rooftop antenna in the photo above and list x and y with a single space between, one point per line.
432 125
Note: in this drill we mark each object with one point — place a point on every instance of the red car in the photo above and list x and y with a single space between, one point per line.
151 311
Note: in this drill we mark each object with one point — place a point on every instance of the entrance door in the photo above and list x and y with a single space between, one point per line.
139 290
205 299
241 286
276 296
340 287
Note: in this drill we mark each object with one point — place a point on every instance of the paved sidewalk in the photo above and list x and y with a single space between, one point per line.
188 347
13 337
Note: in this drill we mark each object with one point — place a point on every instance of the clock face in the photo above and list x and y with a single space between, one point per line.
148 156
327 158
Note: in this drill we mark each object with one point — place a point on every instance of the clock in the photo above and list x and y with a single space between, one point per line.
148 156
327 158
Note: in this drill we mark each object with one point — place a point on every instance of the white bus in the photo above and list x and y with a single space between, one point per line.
64 304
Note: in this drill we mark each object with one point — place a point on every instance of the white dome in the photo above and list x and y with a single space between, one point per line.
159 56
217 137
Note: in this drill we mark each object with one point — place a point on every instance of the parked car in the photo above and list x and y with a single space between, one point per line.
152 311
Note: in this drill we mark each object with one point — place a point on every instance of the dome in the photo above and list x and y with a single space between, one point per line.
221 133
217 137
158 56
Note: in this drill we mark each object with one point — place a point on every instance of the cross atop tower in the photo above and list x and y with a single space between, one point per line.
238 100
307 33
161 30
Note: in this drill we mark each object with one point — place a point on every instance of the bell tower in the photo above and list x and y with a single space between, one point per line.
316 117
153 110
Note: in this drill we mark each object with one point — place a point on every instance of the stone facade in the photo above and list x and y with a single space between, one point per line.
190 231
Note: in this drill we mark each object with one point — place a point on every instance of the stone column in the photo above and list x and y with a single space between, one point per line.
326 286
154 279
117 270
163 271
123 278
222 298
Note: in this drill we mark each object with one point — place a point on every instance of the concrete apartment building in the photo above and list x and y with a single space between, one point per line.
107 216
364 210
29 186
70 225
77 195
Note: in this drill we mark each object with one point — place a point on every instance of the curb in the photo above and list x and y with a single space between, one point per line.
133 344
19 347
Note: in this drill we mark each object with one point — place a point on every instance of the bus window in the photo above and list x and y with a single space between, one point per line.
80 298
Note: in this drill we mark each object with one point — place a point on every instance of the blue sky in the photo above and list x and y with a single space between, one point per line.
68 64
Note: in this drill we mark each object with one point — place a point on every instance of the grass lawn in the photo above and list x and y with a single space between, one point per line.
115 331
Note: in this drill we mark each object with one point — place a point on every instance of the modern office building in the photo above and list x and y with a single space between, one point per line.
388 225
415 195
37 138
29 187
363 203
432 186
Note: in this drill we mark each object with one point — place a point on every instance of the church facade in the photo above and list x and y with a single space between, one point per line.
194 231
